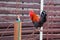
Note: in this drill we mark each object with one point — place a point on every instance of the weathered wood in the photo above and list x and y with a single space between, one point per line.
26 31
20 5
6 32
44 36
12 29
26 12
5 29
53 13
27 18
13 10
30 31
17 30
21 0
52 2
30 24
6 25
7 38
54 21
50 35
6 4
35 1
36 6
31 1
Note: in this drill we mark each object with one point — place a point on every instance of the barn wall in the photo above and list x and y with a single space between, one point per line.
10 8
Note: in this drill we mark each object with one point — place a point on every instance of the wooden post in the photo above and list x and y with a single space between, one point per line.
17 30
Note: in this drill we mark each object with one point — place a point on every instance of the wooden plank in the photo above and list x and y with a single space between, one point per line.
21 0
8 0
44 36
36 6
2 33
27 6
30 31
14 11
31 1
27 18
53 13
26 12
29 24
53 8
11 29
54 19
17 30
51 25
52 35
6 32
34 1
29 28
20 5
7 38
46 1
6 25
45 30
49 35
25 29
52 2
5 29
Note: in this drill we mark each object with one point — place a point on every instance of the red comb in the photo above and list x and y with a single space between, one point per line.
31 12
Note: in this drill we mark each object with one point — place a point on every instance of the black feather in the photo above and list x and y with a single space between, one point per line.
42 20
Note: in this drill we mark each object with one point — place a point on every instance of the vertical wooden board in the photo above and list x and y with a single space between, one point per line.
20 31
16 30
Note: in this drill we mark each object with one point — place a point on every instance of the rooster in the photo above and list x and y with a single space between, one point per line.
37 21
